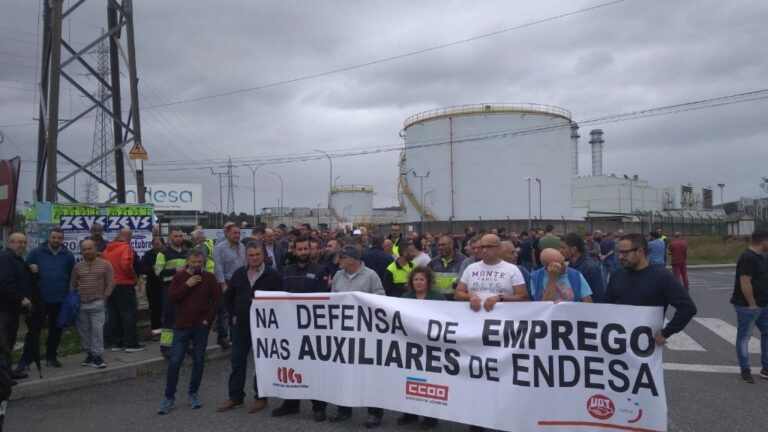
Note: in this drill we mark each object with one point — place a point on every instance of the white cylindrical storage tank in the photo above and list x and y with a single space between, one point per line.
352 203
478 157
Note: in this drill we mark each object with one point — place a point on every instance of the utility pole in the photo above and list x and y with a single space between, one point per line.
57 58
282 203
253 178
421 192
529 201
330 185
221 201
538 180
230 189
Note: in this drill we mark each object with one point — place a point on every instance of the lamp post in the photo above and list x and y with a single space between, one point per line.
330 182
221 202
282 203
529 201
721 186
318 216
421 192
253 177
538 180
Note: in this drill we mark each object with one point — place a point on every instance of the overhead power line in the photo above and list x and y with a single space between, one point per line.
610 118
385 59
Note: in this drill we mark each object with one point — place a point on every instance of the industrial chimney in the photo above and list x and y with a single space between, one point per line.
597 151
574 150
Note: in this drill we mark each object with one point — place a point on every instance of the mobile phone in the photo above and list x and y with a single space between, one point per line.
198 272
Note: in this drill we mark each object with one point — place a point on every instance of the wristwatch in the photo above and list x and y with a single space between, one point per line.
501 297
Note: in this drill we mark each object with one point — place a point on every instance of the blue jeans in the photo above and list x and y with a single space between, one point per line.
241 347
745 319
181 339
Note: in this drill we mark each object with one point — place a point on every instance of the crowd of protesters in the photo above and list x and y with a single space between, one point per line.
192 281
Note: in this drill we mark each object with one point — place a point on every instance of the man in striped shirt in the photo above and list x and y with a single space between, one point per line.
94 279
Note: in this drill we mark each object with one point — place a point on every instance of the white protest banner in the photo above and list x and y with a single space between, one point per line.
522 366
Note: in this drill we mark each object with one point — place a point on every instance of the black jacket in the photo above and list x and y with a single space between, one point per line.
238 297
377 260
307 279
147 268
16 282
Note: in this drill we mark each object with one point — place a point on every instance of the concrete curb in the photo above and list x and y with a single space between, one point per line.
35 387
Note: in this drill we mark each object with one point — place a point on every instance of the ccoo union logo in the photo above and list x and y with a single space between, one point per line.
288 376
600 407
419 387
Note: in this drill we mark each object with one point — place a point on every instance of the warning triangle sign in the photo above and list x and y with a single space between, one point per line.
138 152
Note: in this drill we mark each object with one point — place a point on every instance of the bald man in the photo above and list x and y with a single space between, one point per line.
556 282
490 280
17 290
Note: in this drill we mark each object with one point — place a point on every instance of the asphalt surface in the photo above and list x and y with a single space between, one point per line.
703 390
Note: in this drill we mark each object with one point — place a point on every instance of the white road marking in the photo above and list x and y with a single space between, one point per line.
682 342
727 332
706 368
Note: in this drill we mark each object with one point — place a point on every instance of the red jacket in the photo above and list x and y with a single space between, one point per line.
120 255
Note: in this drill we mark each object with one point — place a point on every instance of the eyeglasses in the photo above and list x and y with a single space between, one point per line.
626 252
488 246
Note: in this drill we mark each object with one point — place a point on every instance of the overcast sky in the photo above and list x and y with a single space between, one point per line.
624 57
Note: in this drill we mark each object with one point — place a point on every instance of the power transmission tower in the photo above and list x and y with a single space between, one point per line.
230 189
103 140
58 58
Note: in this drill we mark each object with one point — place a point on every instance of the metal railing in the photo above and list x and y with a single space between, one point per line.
488 108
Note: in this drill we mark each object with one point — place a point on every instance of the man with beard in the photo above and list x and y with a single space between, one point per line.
304 276
639 283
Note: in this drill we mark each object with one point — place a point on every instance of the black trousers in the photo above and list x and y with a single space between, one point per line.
9 326
122 316
376 412
32 340
155 299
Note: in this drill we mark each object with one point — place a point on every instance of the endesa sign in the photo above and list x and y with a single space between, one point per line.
168 196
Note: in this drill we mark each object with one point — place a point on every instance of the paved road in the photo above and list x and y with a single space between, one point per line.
702 384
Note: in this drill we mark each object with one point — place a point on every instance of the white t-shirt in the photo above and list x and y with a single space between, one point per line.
491 280
422 260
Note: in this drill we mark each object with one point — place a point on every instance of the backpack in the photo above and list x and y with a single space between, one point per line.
537 279
69 309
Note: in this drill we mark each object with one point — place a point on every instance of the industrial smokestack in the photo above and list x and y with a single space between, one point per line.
597 151
574 150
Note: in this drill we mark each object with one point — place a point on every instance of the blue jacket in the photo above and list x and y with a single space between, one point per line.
593 275
54 270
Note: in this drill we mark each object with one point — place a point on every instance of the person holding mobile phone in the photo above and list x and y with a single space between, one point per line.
195 295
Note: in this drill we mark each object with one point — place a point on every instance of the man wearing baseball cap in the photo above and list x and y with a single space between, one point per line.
355 276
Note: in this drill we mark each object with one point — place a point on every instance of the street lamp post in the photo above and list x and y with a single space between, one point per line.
421 192
721 186
282 203
529 201
253 177
330 184
538 180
